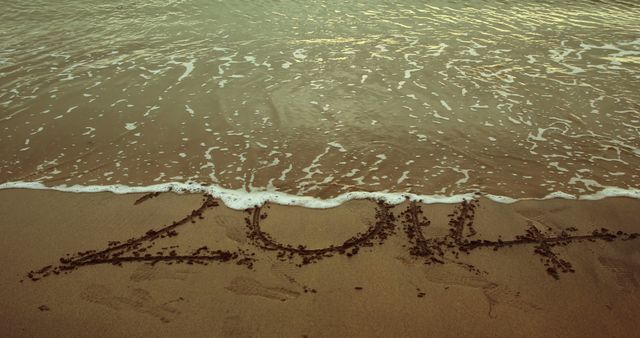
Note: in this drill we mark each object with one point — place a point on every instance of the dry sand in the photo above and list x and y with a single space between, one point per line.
384 289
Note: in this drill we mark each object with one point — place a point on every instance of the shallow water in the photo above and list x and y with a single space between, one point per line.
512 98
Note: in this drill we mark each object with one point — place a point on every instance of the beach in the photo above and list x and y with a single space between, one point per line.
319 169
380 290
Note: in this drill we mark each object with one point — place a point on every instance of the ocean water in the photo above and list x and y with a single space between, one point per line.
318 102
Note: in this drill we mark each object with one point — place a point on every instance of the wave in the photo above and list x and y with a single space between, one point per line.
240 199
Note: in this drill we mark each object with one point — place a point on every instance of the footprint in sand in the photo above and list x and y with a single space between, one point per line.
530 214
496 294
446 275
138 300
538 219
534 212
234 227
284 269
251 287
287 271
500 294
624 275
366 218
235 326
151 272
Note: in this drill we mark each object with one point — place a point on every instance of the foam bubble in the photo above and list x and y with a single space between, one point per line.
240 199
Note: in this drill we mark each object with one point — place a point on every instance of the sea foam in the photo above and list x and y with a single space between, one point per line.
240 199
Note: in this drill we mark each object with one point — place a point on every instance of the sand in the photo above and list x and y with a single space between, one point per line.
400 277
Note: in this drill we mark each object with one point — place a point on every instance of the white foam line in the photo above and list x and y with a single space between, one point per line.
240 199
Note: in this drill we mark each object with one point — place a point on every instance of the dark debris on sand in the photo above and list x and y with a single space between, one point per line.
462 231
461 239
138 250
377 233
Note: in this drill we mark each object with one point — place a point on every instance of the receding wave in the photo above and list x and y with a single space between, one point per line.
325 99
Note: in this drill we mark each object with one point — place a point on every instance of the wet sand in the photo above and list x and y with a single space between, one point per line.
534 268
284 101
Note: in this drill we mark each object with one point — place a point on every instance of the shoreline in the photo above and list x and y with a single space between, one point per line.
361 269
240 200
